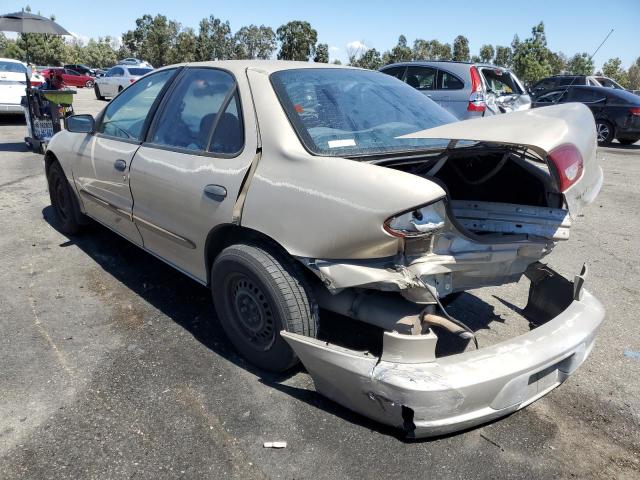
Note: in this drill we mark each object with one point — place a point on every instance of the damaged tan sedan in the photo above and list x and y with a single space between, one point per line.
299 191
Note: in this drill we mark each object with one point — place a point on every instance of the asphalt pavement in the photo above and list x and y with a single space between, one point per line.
112 365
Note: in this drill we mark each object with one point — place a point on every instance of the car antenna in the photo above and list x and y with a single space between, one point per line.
590 57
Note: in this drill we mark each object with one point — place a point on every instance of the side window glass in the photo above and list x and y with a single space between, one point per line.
448 81
394 71
126 114
228 136
422 78
191 112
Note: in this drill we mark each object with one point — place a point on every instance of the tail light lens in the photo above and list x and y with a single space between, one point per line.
418 222
568 164
131 80
476 100
635 111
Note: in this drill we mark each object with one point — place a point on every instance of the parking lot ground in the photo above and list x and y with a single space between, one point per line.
112 364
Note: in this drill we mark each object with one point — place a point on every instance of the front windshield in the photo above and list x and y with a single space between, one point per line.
344 112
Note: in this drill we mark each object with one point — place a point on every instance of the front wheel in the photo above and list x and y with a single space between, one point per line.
605 132
63 200
257 292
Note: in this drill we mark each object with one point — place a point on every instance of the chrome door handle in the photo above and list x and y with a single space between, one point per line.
215 192
120 165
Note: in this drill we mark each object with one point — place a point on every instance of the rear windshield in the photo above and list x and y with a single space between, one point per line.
139 71
343 112
12 67
500 82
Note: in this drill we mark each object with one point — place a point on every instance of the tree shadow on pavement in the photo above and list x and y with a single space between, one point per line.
189 304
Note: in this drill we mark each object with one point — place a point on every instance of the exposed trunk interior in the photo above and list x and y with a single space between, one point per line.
496 190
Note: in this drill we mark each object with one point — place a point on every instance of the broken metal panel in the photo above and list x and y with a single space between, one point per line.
463 390
493 217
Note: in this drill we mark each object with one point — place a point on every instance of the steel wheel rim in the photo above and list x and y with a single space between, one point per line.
603 132
254 317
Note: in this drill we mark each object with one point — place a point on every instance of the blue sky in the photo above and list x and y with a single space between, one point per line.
576 26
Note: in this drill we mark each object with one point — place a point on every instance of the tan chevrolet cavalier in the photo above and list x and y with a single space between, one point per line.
297 191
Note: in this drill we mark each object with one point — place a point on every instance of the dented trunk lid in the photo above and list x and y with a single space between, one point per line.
541 130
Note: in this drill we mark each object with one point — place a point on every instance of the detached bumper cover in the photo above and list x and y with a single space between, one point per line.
460 391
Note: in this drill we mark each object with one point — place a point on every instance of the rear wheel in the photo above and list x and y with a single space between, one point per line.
89 84
96 89
605 132
257 292
628 141
63 200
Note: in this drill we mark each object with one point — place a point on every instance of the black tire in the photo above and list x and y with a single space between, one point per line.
89 84
96 89
257 292
120 89
64 201
605 132
628 141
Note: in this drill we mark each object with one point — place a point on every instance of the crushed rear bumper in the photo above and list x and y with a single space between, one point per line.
433 396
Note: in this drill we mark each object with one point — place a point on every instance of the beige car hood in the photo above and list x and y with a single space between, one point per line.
541 130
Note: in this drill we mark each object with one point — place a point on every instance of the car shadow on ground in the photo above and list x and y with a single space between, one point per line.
620 146
189 304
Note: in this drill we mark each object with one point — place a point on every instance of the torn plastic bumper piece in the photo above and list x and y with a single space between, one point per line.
410 389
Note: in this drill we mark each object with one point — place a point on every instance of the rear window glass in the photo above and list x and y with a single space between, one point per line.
344 112
139 71
448 81
394 71
500 82
12 67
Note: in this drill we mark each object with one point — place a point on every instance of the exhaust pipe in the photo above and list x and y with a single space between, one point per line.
387 311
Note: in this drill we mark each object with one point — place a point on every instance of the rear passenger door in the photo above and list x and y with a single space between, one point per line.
186 177
451 94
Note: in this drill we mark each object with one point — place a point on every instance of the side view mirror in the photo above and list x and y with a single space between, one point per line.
80 123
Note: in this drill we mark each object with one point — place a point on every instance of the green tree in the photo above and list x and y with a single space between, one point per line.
444 51
152 39
254 42
612 68
99 53
400 53
633 75
503 56
214 40
370 59
184 49
580 64
297 41
531 57
558 62
322 53
487 52
461 49
336 62
4 42
430 50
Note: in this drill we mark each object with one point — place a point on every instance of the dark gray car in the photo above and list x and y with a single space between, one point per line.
467 90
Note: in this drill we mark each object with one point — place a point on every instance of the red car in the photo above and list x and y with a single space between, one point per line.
70 77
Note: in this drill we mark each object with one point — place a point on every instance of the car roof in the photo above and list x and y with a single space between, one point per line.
11 60
267 66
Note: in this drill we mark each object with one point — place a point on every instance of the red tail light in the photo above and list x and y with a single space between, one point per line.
635 111
131 80
568 163
476 100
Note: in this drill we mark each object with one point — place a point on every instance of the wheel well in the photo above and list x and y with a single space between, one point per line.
49 159
222 236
